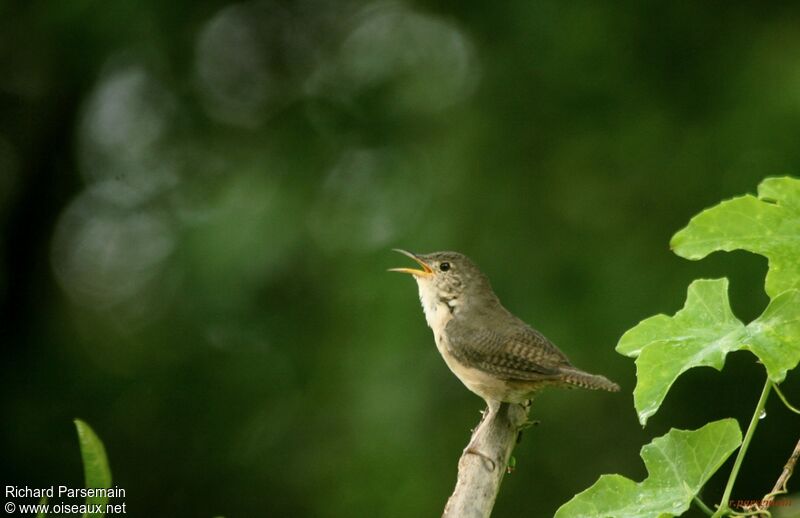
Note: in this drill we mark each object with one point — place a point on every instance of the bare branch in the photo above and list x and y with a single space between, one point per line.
483 464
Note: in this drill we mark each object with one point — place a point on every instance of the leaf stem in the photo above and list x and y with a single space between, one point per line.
785 401
726 496
703 507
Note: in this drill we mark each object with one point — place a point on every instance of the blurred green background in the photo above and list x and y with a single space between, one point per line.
198 202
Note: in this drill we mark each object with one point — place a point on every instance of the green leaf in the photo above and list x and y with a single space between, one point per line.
678 465
42 502
775 336
96 472
768 225
702 334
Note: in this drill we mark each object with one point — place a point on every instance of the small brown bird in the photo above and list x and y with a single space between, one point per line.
495 354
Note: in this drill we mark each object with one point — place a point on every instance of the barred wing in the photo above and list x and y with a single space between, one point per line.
521 353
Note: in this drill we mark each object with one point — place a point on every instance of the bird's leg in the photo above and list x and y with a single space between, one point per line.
527 424
488 415
526 406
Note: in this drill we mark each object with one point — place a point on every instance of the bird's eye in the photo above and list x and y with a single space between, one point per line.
444 267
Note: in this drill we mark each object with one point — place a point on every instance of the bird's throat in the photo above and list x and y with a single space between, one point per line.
439 309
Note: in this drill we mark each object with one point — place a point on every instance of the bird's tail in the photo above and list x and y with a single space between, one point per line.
585 380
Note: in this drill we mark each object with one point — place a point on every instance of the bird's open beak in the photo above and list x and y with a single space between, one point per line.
425 272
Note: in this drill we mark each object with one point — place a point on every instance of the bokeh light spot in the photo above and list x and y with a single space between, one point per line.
123 137
428 63
103 256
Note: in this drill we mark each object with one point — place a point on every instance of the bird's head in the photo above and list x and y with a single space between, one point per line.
447 275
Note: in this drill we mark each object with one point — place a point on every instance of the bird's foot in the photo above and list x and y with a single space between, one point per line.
524 426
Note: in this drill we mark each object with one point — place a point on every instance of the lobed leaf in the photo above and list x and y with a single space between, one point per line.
702 334
775 336
768 225
678 465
